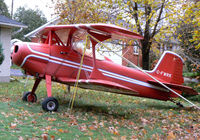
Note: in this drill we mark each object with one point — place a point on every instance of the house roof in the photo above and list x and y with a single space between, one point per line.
7 22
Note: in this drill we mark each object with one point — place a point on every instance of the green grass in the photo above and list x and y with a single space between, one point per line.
191 74
15 67
95 115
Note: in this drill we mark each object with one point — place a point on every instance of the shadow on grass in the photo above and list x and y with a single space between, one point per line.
120 110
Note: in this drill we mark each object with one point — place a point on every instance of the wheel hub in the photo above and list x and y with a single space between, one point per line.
30 98
51 105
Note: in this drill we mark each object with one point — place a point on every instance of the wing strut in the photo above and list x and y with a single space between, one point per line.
145 73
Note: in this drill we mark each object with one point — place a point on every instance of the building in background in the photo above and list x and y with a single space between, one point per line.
133 54
6 25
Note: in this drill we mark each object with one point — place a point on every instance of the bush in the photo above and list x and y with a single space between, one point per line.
1 54
195 86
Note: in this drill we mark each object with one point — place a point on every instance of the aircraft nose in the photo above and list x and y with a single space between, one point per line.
15 48
17 53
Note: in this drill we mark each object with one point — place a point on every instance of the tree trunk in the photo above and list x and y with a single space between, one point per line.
145 54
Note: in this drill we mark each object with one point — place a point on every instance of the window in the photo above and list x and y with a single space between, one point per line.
135 50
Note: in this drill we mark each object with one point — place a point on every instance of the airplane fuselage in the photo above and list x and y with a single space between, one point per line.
63 64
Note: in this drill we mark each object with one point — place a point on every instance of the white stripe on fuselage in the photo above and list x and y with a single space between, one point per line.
87 68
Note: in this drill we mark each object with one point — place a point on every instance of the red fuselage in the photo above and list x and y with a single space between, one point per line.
63 64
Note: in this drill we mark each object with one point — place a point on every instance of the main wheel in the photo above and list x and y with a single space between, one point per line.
50 104
29 97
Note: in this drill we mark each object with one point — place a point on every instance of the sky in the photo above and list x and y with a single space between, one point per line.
45 6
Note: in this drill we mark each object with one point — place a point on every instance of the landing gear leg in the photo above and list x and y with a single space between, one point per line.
49 103
31 96
48 85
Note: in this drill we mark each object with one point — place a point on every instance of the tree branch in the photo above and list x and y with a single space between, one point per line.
158 19
147 25
193 60
136 18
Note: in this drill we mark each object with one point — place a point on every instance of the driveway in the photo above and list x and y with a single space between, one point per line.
16 72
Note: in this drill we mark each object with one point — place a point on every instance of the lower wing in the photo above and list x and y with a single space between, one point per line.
102 85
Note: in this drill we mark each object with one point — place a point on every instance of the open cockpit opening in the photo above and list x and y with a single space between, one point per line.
55 38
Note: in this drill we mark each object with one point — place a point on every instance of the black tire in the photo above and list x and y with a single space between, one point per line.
29 97
50 104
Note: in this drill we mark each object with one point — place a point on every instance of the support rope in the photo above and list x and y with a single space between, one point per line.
77 78
146 73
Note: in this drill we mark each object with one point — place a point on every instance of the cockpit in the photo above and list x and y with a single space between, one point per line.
73 40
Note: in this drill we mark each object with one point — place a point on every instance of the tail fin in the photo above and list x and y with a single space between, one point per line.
169 68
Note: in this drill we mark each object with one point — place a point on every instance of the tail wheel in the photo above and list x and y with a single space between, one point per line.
50 104
29 97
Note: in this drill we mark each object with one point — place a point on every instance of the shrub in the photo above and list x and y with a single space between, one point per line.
1 54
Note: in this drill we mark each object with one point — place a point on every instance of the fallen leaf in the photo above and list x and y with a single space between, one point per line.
116 132
73 122
188 130
51 119
171 136
144 121
52 137
123 137
63 131
113 131
101 124
60 130
89 134
119 102
44 137
92 127
83 128
48 127
34 122
39 114
156 136
20 138
144 131
133 137
131 123
114 138
13 125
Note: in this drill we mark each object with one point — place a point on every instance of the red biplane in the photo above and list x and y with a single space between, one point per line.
58 56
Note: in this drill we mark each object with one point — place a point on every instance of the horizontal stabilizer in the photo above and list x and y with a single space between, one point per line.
185 89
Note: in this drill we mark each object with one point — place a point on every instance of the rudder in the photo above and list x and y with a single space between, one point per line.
169 68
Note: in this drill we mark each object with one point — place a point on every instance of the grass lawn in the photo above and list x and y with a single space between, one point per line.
95 115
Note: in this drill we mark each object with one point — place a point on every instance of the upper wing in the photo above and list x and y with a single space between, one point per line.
114 31
107 30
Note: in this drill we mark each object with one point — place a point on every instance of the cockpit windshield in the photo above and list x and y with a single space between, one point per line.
63 35
79 42
58 37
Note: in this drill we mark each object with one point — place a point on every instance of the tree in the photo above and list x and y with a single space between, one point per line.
1 54
188 30
4 9
154 19
32 18
188 33
80 11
